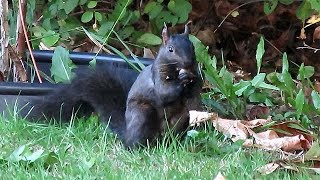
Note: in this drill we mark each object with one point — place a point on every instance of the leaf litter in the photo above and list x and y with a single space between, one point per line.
296 145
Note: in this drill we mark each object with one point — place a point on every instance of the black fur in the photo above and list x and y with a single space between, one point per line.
159 98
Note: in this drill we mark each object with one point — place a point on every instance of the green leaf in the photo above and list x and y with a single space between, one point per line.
126 32
315 4
241 86
257 97
268 86
105 28
313 153
297 126
82 2
93 62
304 10
88 164
149 39
305 72
180 8
70 5
286 2
87 16
315 99
92 4
166 16
285 63
61 68
31 6
269 6
98 16
50 38
153 9
226 76
51 159
299 102
193 133
288 81
258 79
259 53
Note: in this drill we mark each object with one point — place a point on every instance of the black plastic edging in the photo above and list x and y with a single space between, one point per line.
31 89
84 58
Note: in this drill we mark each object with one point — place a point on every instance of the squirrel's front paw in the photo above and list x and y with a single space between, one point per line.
185 76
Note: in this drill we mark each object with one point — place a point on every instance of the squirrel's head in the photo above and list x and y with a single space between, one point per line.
177 49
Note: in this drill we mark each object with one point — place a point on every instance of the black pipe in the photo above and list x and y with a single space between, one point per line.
82 58
32 89
44 57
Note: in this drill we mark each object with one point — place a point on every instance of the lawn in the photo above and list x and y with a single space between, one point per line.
87 150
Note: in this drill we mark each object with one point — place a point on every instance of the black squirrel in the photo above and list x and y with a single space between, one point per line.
142 107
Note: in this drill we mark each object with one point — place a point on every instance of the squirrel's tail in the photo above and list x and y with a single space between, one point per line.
103 90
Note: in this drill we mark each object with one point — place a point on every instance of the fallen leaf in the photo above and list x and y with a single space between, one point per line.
233 128
317 170
313 19
268 168
219 177
147 53
316 33
257 111
235 13
256 122
285 143
269 134
196 117
294 139
302 34
292 128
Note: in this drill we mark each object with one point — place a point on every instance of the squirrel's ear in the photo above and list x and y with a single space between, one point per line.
186 28
165 36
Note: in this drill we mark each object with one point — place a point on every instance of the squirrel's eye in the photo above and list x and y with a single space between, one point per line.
170 48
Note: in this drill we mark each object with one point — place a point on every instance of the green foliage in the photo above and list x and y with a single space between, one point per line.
259 53
86 150
176 11
149 39
228 97
304 11
61 68
62 20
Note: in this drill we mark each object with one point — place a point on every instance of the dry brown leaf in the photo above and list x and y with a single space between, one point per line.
256 122
288 127
197 117
302 34
270 139
257 111
233 128
289 167
316 33
269 134
317 86
219 177
147 53
268 168
313 19
285 143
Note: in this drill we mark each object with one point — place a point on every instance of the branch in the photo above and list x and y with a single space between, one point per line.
27 41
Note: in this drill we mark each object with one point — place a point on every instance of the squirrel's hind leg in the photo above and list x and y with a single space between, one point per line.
142 123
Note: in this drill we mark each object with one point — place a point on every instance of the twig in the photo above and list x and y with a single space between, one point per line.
224 19
4 38
306 46
27 41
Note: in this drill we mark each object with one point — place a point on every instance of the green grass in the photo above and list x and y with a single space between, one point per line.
72 146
